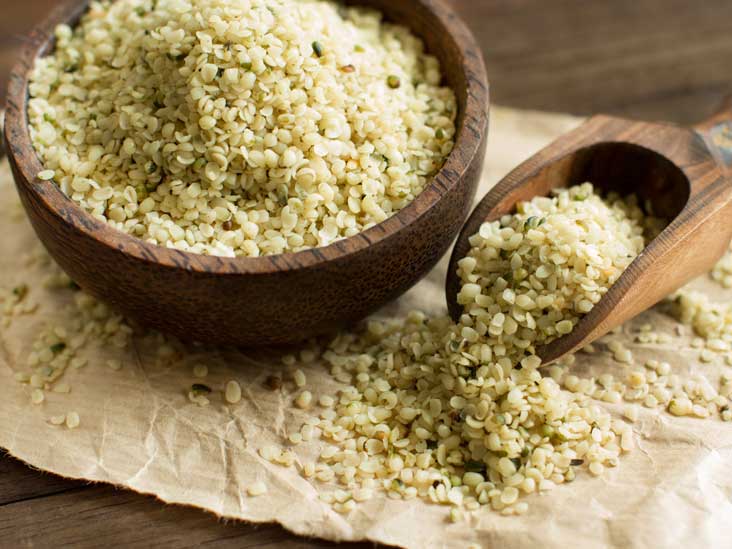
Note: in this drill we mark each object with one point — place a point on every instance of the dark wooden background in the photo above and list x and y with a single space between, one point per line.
648 59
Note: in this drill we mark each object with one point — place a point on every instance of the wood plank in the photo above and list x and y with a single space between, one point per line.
649 59
100 515
19 482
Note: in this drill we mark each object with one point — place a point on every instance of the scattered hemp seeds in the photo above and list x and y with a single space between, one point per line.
232 393
304 400
72 420
200 371
58 348
257 489
299 378
233 133
37 396
57 420
461 414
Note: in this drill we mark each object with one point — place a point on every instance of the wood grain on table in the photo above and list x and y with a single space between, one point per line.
646 59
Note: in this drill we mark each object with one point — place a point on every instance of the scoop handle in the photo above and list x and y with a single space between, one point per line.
717 131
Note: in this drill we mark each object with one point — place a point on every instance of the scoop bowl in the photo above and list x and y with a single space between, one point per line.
684 174
272 299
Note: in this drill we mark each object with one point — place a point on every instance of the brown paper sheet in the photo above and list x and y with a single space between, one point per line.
138 429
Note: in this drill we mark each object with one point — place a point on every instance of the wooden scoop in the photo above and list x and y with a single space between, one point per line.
686 174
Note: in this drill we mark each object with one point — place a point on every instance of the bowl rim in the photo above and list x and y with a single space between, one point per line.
472 129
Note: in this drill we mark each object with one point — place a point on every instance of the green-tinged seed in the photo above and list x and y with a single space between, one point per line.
393 81
283 195
559 437
531 223
58 347
318 48
200 388
20 291
472 466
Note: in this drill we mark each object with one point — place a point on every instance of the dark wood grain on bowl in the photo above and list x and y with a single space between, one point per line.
274 299
679 171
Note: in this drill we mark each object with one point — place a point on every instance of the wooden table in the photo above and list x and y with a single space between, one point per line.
651 59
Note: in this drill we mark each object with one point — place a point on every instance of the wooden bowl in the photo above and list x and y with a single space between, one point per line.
273 299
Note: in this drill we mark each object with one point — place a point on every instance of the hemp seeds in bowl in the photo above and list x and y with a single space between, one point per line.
239 127
251 172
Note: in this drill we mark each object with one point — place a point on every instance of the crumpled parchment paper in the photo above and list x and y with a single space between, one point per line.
139 430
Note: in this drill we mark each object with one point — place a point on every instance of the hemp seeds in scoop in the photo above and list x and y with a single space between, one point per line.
239 127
